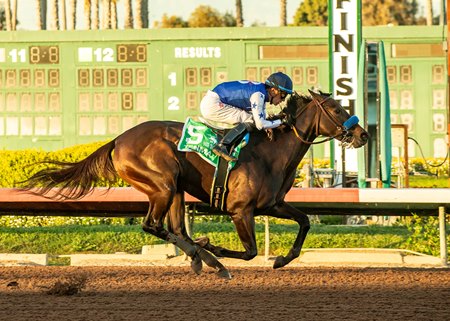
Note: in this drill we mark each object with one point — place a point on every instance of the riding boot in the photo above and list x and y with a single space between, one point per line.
223 148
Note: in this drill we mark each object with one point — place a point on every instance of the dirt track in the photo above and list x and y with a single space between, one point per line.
175 293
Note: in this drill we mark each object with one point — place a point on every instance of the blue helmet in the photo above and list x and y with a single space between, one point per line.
280 81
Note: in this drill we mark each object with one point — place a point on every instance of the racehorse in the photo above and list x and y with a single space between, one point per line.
146 156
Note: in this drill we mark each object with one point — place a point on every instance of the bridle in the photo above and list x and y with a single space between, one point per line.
343 129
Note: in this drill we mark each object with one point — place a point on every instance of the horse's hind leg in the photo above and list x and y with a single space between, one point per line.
177 226
153 171
153 223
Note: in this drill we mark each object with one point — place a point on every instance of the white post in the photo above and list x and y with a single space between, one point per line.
266 239
442 236
188 222
188 219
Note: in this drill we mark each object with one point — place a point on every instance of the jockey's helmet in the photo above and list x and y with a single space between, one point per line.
280 81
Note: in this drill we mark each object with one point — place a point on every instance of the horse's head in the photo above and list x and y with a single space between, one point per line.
329 119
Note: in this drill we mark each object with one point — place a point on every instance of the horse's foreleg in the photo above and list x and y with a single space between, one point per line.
176 225
245 227
286 211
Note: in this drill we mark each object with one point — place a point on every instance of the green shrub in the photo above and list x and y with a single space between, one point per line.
428 182
75 239
331 219
46 221
16 166
436 166
424 235
116 238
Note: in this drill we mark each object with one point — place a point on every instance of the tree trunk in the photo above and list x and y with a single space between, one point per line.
140 18
54 17
95 15
38 15
144 13
239 17
14 15
128 14
72 15
429 12
87 14
41 14
8 15
63 24
106 14
113 17
283 20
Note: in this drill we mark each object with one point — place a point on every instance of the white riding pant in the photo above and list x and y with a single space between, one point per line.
213 109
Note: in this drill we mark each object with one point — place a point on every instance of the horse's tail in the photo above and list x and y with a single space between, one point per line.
74 180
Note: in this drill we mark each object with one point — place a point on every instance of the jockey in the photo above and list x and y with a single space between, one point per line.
244 103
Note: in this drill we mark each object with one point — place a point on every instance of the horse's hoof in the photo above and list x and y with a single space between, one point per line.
224 274
196 264
279 262
202 241
208 258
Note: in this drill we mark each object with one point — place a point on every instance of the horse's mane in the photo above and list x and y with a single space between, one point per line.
295 103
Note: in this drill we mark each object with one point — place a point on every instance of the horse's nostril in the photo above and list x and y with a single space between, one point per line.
365 137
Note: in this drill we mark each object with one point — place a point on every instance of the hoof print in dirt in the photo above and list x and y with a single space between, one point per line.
13 284
66 287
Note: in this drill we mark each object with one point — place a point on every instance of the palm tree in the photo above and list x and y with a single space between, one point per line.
141 20
63 25
113 17
72 15
429 12
95 14
14 15
8 15
128 14
239 17
144 13
283 21
106 16
87 14
54 16
41 9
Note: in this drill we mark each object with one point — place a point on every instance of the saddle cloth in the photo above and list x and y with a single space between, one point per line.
199 138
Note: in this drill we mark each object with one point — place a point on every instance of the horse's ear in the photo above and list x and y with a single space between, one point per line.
314 95
324 94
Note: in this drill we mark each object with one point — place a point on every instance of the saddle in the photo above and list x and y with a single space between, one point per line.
200 138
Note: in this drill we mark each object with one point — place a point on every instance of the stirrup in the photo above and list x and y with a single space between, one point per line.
221 151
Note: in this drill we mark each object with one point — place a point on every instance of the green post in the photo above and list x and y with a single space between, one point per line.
385 122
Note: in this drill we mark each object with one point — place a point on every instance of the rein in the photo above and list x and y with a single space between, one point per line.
317 117
311 143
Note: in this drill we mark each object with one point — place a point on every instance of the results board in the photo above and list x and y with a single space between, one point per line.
61 88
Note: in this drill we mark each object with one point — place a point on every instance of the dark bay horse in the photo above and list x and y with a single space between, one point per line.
146 157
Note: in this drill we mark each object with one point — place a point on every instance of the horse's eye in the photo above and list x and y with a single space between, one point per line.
338 111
